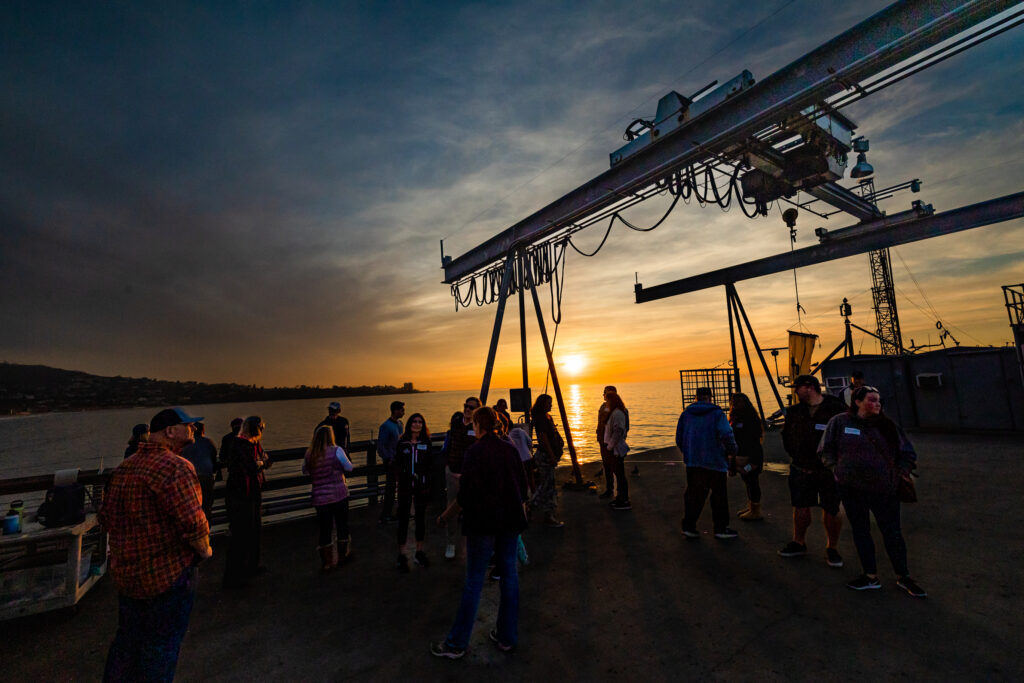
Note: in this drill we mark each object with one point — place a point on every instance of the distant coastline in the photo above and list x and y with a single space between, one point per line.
30 389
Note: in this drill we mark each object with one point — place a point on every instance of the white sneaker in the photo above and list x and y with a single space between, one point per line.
449 551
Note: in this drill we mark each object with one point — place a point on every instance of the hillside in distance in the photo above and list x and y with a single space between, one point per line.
39 388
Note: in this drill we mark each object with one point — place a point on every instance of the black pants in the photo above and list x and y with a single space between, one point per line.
608 463
406 499
330 517
886 508
388 504
699 482
750 479
619 468
243 555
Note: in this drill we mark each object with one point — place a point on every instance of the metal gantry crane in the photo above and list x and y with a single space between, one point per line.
754 142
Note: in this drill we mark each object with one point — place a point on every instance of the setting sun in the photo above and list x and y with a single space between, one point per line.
574 363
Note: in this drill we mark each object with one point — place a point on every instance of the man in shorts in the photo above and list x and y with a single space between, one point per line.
810 483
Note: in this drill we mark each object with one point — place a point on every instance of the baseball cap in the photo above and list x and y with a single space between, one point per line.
168 417
395 405
333 405
807 381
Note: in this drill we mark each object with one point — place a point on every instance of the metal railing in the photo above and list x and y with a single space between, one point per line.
285 494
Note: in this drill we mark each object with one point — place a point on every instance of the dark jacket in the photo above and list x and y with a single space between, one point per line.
203 455
802 432
244 476
748 440
413 465
339 426
493 489
866 454
704 436
460 440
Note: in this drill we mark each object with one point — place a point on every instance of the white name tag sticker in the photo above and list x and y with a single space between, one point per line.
421 447
852 430
470 433
819 427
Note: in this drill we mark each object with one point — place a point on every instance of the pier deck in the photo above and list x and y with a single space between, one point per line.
618 595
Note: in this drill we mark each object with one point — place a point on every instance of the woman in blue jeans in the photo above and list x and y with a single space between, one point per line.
492 492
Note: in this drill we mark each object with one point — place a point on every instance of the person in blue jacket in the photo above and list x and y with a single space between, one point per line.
706 440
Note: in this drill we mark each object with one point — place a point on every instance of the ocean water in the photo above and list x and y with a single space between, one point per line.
41 444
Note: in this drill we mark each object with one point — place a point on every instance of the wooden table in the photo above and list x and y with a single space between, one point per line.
44 569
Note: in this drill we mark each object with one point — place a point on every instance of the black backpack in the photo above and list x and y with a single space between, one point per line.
64 505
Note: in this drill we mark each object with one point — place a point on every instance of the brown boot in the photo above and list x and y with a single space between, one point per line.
344 550
326 557
753 514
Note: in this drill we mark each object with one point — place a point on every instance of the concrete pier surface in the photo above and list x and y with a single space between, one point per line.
618 595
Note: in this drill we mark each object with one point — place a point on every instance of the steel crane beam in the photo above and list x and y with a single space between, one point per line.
879 42
886 232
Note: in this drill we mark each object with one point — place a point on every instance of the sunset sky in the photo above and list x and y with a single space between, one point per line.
257 195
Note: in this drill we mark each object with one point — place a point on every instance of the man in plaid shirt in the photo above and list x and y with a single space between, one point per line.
152 509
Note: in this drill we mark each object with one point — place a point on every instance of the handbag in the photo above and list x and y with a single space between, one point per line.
906 492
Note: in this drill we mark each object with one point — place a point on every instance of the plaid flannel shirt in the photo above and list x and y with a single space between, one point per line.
152 509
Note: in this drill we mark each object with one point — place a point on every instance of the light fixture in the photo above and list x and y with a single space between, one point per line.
863 169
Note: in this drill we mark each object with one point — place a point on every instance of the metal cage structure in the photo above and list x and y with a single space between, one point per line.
719 380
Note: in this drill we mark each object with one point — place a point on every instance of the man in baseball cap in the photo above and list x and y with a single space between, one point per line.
152 510
337 423
810 483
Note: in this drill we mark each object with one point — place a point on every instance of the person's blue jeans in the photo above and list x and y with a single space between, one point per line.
478 553
149 633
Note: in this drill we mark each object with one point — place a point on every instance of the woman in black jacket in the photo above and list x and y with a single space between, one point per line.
413 462
243 498
749 460
870 456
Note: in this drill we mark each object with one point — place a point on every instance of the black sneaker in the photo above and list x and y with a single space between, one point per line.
402 564
607 494
726 533
793 549
621 505
495 574
443 649
421 559
691 533
501 646
909 585
865 583
833 558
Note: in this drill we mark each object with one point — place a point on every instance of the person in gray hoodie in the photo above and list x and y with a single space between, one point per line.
706 440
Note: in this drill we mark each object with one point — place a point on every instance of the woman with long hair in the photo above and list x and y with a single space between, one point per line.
491 497
243 497
871 459
326 464
615 429
549 452
413 462
749 459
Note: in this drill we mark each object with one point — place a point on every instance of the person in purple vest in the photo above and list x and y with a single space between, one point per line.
326 464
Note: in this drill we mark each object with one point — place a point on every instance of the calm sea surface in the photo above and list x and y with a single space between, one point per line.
41 444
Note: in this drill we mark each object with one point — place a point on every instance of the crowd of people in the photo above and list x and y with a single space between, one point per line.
493 482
